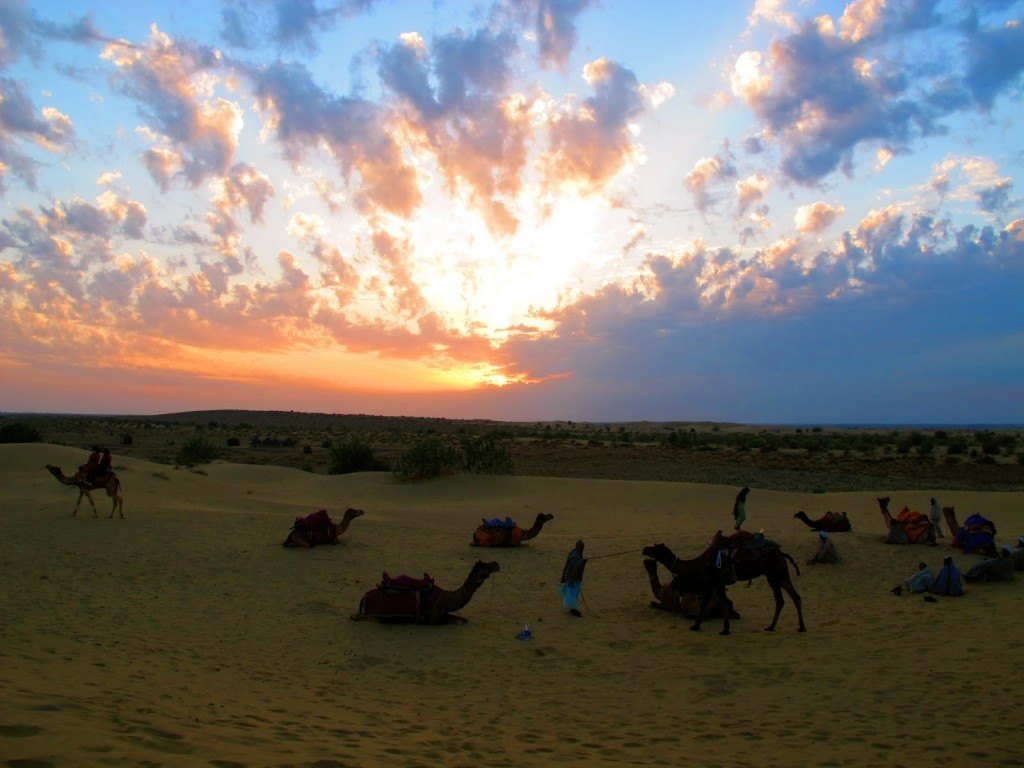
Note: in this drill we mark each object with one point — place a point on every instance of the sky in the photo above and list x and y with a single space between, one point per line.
770 211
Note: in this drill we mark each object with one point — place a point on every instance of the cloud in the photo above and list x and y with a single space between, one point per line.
822 92
591 145
292 24
458 109
705 173
816 217
21 124
770 12
552 23
303 117
174 85
750 191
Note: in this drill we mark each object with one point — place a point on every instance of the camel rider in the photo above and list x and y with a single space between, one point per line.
103 468
87 469
739 508
572 579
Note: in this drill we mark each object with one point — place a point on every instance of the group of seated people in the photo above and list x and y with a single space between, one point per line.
948 581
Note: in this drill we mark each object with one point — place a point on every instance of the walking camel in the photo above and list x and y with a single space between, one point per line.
109 483
725 562
420 601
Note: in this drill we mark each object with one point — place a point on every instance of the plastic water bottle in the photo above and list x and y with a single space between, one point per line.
525 634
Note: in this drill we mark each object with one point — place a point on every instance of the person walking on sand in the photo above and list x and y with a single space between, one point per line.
739 508
572 579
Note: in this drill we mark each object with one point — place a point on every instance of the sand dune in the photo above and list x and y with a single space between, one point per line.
186 635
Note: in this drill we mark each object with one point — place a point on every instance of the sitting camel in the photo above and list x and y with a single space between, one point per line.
421 601
507 534
669 598
108 482
830 522
318 528
976 535
740 557
908 527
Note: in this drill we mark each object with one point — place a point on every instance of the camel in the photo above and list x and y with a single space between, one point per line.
109 482
907 527
422 601
508 535
722 564
830 522
669 598
976 535
324 531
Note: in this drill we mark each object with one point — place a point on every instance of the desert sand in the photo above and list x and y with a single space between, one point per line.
185 635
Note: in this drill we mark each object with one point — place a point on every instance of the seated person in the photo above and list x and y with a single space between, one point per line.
947 581
996 569
826 552
920 581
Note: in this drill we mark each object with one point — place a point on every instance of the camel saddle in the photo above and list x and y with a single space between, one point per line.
723 550
99 480
315 528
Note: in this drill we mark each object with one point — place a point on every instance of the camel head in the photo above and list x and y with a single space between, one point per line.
352 514
658 552
801 515
59 474
482 570
543 518
883 503
651 566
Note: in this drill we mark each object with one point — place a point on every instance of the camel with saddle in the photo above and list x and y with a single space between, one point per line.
743 556
318 528
505 533
908 527
976 535
108 482
404 599
668 597
830 522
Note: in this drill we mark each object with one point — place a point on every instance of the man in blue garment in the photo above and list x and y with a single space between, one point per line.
572 579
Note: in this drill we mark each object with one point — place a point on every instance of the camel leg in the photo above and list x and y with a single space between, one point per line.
726 603
779 602
704 597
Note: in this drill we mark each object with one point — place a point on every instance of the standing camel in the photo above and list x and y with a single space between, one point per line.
109 482
724 563
508 535
421 601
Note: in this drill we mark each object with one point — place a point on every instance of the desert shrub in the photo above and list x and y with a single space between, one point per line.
233 442
196 450
351 454
307 449
428 457
127 440
486 455
308 466
19 432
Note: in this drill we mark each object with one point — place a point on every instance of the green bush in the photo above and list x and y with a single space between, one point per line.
127 440
18 432
196 450
486 455
428 457
351 454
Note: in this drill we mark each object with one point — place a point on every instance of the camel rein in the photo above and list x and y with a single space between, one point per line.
612 554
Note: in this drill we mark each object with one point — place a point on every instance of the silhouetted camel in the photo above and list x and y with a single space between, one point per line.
669 598
109 483
830 522
722 564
